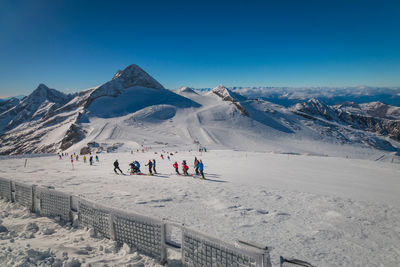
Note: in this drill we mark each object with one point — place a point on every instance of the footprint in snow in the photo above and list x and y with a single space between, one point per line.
262 211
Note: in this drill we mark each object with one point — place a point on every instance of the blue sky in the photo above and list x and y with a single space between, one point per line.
73 45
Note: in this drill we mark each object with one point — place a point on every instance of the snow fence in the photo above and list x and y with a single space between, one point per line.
5 188
201 250
148 235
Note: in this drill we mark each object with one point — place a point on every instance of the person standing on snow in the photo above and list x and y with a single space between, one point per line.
150 164
196 163
201 168
84 159
154 166
185 168
175 165
91 160
116 167
97 158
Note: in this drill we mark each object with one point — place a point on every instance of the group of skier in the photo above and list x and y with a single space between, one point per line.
76 157
198 166
135 167
152 166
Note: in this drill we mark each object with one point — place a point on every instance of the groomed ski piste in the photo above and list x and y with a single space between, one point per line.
329 211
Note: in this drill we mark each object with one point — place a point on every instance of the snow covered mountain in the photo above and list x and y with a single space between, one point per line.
374 117
134 110
40 103
288 96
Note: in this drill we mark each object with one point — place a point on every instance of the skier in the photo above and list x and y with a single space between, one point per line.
134 169
91 160
154 166
201 168
175 165
77 157
185 168
169 158
84 159
116 167
150 164
138 166
97 158
162 156
196 166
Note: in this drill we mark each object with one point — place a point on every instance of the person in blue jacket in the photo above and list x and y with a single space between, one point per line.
154 166
201 168
138 166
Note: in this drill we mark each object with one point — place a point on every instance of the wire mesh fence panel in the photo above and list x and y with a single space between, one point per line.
54 203
201 250
24 195
5 189
144 233
94 216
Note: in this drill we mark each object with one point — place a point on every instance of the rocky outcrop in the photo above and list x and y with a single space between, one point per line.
74 134
228 96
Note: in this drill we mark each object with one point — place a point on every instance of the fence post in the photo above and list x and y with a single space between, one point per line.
112 227
12 187
164 255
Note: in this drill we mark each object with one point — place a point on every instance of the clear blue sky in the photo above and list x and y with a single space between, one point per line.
72 45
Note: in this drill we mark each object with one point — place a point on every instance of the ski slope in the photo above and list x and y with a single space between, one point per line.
329 211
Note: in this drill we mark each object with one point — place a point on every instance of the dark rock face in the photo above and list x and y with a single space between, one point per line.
85 150
73 135
6 105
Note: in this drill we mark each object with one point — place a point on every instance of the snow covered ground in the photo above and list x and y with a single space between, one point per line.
325 210
28 240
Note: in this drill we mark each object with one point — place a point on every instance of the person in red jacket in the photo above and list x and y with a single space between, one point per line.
185 168
176 167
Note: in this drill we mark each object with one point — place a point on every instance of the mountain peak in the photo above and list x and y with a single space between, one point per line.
186 89
43 93
133 75
41 88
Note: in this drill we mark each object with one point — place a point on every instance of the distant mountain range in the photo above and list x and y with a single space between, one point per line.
134 110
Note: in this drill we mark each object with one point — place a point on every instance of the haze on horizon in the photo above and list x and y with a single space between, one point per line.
75 45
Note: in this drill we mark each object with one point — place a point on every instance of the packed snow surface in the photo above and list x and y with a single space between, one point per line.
325 210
